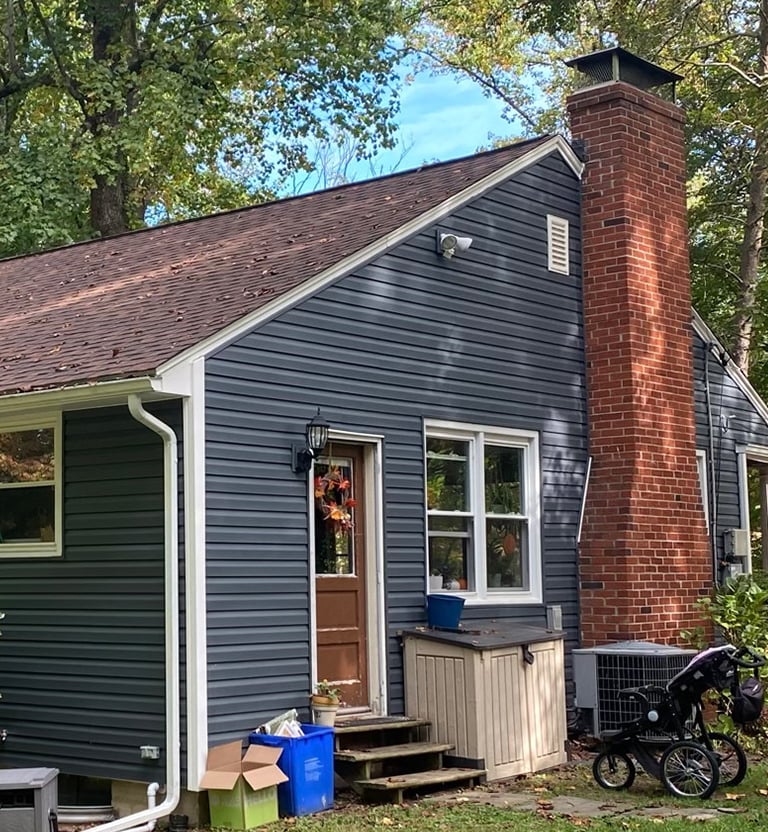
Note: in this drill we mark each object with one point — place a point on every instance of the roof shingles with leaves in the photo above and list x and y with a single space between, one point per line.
122 306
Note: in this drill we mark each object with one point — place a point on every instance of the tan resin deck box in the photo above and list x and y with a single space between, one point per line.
499 711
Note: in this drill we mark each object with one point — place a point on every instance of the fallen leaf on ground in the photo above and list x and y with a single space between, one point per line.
731 796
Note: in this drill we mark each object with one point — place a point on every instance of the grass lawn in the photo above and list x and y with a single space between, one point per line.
743 808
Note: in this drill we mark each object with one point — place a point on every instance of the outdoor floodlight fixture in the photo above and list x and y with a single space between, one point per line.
448 244
316 438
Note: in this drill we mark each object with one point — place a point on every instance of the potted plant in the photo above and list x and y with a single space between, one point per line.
325 703
435 580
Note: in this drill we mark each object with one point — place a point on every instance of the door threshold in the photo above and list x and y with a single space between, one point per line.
355 713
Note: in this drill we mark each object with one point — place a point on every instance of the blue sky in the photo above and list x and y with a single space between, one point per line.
443 118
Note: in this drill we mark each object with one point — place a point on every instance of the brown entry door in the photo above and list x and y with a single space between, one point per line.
342 651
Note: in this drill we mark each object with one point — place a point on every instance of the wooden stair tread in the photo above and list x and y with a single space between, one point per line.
421 778
386 752
377 723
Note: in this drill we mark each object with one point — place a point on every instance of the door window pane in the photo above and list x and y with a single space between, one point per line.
334 517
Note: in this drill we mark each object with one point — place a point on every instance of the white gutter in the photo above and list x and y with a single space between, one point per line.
97 394
145 820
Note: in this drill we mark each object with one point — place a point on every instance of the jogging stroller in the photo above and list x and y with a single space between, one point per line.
669 738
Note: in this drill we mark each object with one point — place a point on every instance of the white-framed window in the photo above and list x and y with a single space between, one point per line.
30 490
483 515
701 467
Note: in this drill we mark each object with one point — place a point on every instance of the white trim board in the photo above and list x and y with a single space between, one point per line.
557 144
373 446
195 577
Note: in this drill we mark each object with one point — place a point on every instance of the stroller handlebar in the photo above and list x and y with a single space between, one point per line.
747 657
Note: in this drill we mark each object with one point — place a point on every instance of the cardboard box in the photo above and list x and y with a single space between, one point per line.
242 791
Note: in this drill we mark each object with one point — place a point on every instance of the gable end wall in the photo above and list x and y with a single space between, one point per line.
489 337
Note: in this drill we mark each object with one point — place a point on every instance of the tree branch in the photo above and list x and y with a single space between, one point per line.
486 82
72 87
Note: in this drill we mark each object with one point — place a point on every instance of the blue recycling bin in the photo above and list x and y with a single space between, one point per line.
308 763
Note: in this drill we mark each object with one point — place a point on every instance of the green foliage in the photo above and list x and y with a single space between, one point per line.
722 52
739 609
187 106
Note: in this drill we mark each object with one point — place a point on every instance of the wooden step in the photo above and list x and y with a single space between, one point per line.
386 752
352 725
368 732
380 762
393 788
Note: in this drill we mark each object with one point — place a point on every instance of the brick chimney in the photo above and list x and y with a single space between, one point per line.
645 556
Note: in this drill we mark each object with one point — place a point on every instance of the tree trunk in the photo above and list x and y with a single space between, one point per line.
751 247
108 205
112 30
754 225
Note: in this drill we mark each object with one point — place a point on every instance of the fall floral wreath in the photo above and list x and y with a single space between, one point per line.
332 499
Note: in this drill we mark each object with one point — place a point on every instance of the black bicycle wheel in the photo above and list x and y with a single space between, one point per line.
689 770
730 756
613 770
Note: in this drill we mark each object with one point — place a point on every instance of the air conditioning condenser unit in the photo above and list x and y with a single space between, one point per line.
601 672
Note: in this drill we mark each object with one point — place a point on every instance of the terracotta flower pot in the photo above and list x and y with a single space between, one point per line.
320 699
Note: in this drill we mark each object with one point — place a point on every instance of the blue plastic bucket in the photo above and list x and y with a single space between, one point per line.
444 611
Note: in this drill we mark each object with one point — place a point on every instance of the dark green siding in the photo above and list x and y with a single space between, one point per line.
82 652
489 337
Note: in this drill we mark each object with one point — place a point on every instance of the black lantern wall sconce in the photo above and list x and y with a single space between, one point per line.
316 436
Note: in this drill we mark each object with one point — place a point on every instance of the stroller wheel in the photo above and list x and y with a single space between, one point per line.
613 770
731 758
689 770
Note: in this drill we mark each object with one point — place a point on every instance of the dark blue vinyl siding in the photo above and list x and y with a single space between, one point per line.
735 424
82 656
489 337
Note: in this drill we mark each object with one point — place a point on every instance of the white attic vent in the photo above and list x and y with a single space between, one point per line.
557 244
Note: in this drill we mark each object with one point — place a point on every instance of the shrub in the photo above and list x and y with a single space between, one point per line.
739 611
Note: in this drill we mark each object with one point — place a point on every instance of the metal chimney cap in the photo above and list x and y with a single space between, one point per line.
616 64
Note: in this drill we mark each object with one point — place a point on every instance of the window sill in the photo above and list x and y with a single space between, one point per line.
502 598
29 550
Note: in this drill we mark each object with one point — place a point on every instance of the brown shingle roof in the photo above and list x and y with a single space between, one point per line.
121 306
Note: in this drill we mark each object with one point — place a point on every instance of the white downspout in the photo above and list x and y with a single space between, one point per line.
144 821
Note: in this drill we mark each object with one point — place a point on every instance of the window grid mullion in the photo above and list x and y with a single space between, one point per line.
478 507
